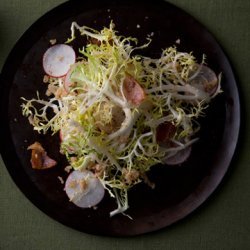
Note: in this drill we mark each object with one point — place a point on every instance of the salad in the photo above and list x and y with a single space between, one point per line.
118 113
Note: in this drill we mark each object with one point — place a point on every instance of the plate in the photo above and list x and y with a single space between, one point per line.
179 190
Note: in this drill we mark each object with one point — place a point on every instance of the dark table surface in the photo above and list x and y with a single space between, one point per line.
221 223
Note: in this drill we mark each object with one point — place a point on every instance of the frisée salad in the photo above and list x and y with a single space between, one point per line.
117 113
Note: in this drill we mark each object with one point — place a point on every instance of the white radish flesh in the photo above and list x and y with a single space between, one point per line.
57 60
84 189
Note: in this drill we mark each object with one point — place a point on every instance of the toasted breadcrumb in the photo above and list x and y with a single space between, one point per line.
67 168
130 176
46 78
83 184
60 179
52 41
73 184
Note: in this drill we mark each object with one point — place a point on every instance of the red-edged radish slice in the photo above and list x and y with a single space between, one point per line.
165 132
180 157
67 81
57 60
60 135
84 189
206 80
133 91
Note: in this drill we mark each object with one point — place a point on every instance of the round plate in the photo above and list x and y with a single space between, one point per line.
179 190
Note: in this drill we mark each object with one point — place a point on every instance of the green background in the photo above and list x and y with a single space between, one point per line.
222 223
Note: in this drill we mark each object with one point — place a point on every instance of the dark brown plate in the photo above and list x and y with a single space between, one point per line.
179 190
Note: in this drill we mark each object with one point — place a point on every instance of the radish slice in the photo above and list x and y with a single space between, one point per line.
67 81
84 189
179 157
165 132
57 60
133 91
60 135
206 80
